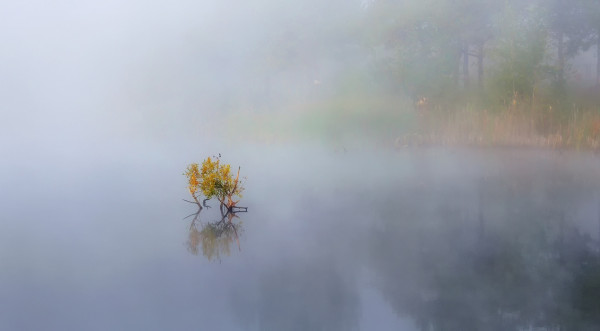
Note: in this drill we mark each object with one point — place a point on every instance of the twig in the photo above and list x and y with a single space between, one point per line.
192 214
236 237
195 219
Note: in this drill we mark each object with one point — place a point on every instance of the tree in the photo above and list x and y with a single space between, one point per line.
565 24
432 40
470 22
519 51
416 46
589 32
214 179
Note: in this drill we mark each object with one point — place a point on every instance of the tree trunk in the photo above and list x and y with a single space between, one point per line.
561 58
465 54
480 65
456 69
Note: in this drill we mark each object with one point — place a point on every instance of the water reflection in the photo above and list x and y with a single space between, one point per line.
518 263
214 238
299 292
309 294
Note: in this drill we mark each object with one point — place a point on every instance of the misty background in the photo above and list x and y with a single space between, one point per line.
335 111
269 71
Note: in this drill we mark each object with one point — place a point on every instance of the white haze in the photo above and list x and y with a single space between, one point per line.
74 73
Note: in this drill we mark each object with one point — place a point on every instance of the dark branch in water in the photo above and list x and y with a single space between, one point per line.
198 203
195 218
192 214
236 237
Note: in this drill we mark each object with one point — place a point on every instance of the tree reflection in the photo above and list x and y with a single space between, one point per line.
531 268
214 238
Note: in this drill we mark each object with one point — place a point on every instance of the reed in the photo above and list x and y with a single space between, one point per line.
516 126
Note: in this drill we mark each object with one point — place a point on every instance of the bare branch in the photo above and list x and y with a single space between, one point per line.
236 238
190 215
193 223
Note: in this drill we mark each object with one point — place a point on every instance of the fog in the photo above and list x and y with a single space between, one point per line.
95 70
411 165
133 69
104 72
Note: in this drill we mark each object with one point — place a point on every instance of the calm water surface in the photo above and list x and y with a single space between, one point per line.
431 239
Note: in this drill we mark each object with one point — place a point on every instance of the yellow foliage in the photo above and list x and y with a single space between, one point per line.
192 174
214 179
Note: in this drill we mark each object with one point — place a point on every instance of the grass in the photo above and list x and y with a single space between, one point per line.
396 122
516 125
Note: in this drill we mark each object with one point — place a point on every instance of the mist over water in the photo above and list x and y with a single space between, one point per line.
104 104
420 238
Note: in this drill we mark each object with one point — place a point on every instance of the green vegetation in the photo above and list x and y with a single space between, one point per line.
460 72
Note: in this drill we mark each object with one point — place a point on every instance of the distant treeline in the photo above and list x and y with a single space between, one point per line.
481 72
519 46
437 48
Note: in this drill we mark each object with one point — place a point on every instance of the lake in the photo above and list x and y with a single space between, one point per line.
95 238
